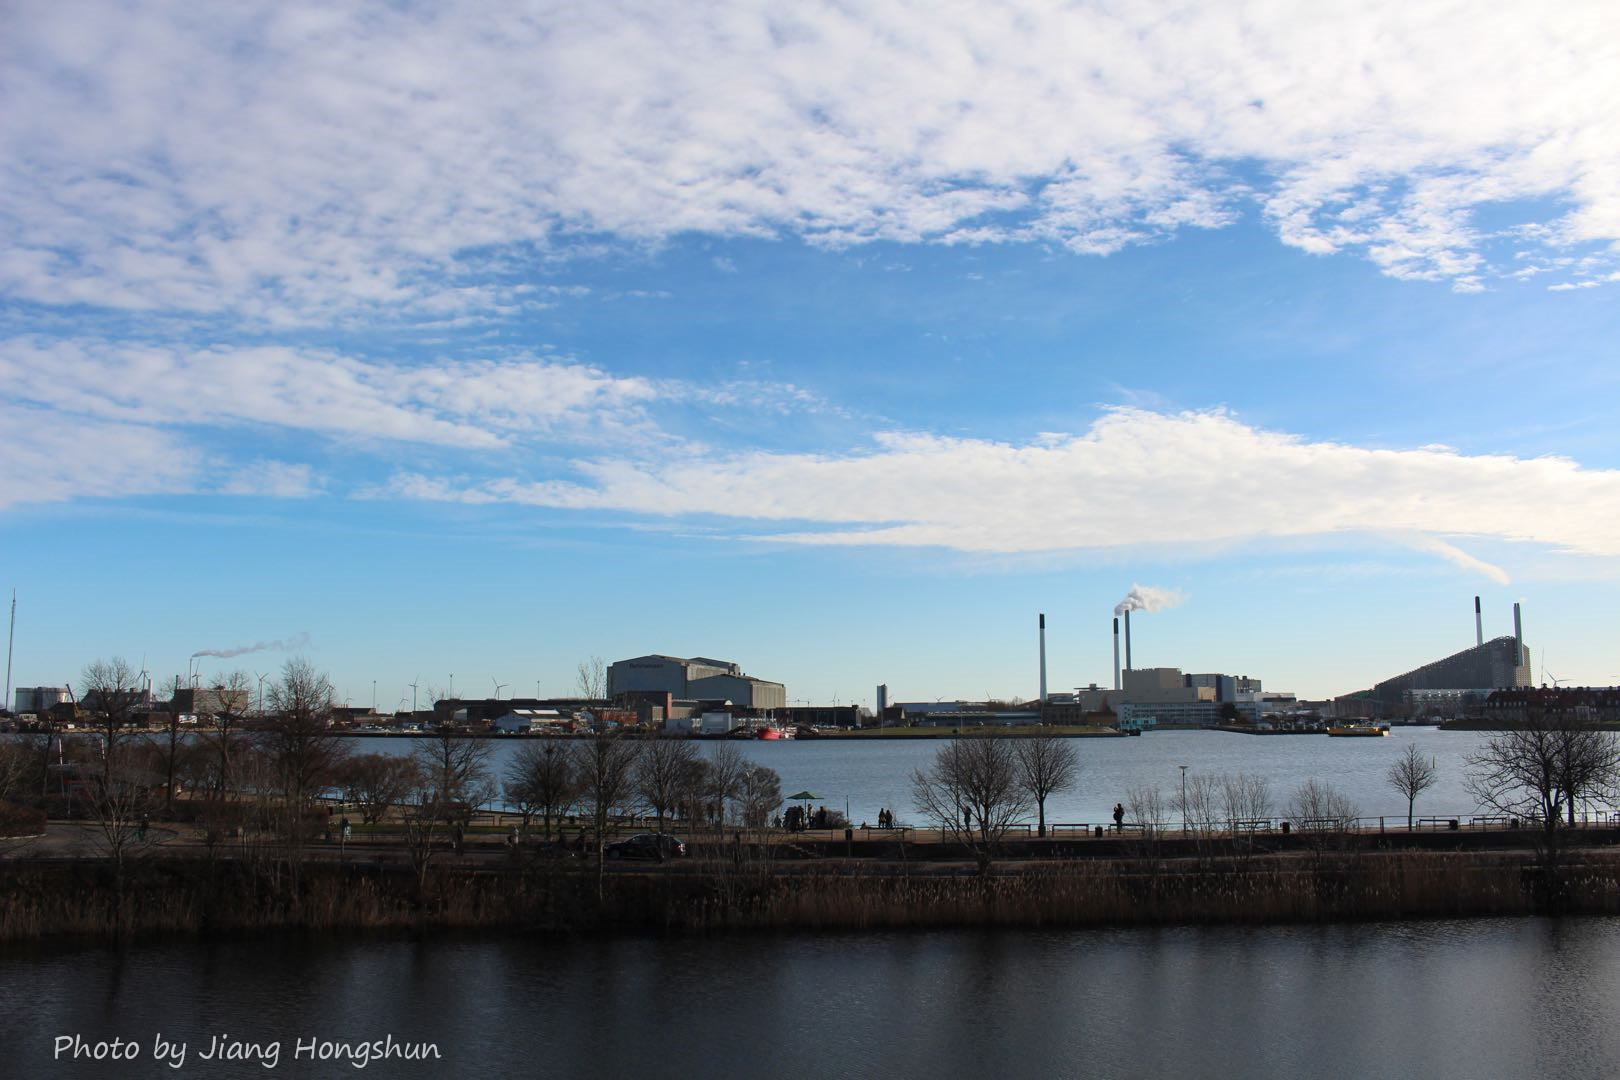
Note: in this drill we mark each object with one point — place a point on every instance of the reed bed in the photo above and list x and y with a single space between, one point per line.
186 897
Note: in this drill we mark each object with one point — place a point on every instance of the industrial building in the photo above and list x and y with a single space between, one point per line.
210 701
698 678
39 699
1499 664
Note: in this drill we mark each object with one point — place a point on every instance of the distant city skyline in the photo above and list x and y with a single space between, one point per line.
836 343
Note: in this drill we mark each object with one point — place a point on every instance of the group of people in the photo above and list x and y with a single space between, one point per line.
799 818
885 818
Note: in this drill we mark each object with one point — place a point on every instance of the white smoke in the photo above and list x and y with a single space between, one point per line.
1148 598
297 641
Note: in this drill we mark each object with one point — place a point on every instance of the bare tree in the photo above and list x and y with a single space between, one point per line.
1245 798
723 781
1318 805
1198 804
1047 765
761 794
450 770
111 690
235 699
1412 774
1543 766
665 774
456 767
302 752
1322 814
541 780
17 765
119 803
1147 807
299 735
590 679
168 745
376 783
972 792
605 763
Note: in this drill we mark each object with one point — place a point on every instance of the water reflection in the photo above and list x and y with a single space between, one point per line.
1460 999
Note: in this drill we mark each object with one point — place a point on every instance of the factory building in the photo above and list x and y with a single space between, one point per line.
39 699
1501 663
209 702
698 678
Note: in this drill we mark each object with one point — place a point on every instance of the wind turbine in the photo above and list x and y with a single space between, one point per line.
412 685
498 687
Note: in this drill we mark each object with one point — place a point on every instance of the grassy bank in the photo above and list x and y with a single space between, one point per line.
185 897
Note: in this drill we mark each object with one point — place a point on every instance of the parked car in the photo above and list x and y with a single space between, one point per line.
647 845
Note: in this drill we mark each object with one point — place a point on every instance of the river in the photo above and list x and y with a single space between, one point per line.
869 774
866 775
1468 999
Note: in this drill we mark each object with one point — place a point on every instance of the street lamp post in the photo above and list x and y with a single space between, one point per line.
1183 800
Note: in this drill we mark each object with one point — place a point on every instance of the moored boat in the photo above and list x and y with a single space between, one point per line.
1358 730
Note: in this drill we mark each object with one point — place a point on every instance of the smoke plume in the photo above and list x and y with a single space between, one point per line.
1148 598
298 641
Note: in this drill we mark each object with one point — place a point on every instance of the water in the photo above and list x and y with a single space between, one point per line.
869 774
1466 999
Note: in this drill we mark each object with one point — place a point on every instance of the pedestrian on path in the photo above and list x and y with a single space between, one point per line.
1119 817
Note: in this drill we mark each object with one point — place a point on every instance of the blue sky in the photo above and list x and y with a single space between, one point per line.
839 343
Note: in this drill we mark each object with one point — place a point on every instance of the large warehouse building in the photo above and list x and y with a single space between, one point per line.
698 678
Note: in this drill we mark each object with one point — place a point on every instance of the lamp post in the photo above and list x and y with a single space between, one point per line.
1183 800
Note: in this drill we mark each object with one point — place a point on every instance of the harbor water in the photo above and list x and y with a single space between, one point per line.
1466 999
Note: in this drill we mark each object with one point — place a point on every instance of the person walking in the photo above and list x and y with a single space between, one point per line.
1119 817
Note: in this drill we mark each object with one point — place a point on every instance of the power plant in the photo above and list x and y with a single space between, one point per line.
1455 682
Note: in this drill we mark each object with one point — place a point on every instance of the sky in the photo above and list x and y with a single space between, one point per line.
453 346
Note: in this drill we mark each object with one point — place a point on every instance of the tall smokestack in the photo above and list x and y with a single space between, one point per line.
1479 624
1128 639
1116 652
1518 638
1043 658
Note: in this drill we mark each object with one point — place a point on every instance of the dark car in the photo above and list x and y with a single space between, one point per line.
647 845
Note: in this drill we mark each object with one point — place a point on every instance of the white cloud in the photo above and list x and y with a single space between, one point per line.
48 458
471 403
275 479
1201 480
1453 554
296 162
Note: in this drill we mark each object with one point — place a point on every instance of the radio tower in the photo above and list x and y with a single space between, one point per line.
10 637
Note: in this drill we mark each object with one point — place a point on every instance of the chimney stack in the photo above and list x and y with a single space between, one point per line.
1043 658
1116 652
1128 639
1518 638
1479 624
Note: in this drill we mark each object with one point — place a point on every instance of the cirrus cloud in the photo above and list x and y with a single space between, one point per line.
298 163
474 404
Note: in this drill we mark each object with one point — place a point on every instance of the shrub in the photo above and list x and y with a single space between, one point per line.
18 820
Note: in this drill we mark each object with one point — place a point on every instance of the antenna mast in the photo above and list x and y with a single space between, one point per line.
10 638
